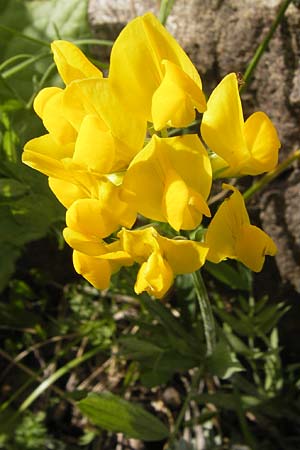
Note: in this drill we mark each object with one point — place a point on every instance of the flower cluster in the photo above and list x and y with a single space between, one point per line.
109 158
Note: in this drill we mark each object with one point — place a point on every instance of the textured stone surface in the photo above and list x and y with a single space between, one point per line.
220 36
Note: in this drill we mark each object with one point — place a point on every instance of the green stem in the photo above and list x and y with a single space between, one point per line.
262 47
17 68
194 385
165 9
249 438
263 181
206 312
24 36
93 42
55 376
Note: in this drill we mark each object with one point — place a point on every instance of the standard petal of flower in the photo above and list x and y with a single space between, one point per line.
223 124
49 106
46 155
155 276
262 140
94 147
165 179
230 235
84 243
225 227
183 206
95 97
184 256
66 192
71 63
253 244
175 100
87 217
144 42
96 271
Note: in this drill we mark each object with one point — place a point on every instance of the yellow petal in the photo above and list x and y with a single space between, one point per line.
49 106
222 125
83 243
140 244
86 216
46 155
225 227
175 199
252 246
166 169
71 63
263 142
182 205
65 191
155 276
175 100
144 42
94 148
95 97
183 256
145 180
43 98
94 270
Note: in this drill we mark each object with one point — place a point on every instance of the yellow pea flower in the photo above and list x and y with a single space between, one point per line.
171 180
88 222
109 134
154 76
97 270
95 218
242 148
230 235
160 258
89 130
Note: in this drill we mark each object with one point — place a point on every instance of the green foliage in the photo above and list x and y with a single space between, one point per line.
61 340
115 414
163 346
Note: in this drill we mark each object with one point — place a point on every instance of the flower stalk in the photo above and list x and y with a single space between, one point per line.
263 46
206 312
268 177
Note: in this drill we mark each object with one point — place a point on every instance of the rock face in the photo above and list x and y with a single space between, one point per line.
221 36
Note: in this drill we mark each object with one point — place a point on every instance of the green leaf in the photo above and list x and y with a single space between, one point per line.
113 413
224 272
223 362
10 188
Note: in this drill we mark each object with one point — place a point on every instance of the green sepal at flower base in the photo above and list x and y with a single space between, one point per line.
160 258
230 235
153 76
241 148
170 180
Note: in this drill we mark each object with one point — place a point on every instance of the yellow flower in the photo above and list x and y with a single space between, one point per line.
89 130
97 218
98 270
230 235
88 222
160 258
154 76
242 148
171 180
